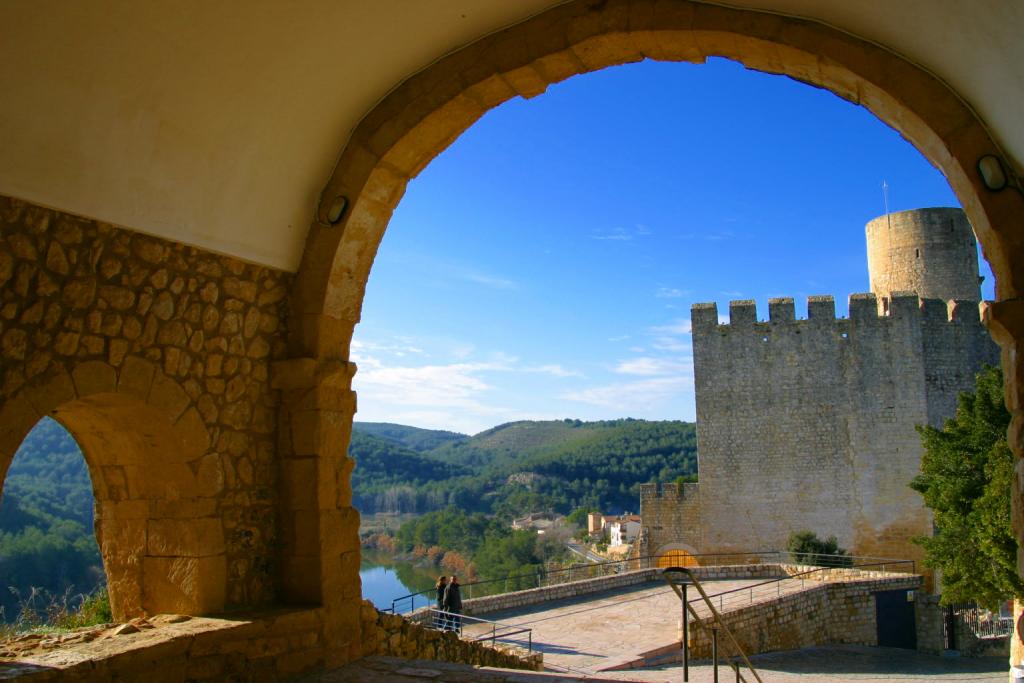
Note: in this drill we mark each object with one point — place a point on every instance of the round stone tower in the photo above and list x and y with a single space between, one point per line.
928 251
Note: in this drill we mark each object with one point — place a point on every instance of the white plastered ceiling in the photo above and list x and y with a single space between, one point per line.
217 122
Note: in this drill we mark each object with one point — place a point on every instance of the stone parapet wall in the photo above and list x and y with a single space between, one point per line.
397 636
534 596
827 614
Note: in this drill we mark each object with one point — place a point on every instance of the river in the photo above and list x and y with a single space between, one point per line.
385 579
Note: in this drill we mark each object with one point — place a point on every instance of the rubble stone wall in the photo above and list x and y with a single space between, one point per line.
155 356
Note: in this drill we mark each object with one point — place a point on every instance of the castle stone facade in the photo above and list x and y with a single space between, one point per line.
810 424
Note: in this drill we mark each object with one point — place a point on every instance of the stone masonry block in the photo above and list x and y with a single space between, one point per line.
185 537
51 393
184 585
167 395
136 377
94 377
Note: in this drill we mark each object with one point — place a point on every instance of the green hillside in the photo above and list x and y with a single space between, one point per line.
46 536
47 541
411 437
531 465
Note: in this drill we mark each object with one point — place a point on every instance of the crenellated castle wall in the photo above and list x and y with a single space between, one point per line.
809 424
671 514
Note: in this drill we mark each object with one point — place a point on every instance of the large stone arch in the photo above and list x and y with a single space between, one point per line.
145 456
424 114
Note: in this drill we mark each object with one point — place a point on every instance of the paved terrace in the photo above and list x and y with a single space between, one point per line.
595 632
814 665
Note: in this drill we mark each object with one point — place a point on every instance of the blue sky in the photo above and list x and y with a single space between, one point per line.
543 267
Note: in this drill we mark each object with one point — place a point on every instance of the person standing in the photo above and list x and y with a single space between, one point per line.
441 619
453 604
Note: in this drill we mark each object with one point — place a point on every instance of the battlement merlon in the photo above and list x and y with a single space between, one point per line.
742 312
905 305
703 317
821 307
863 307
670 490
781 310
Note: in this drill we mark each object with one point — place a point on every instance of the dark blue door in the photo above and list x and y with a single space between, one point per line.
895 615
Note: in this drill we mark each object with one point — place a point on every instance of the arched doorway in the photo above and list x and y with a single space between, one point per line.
160 552
676 557
50 562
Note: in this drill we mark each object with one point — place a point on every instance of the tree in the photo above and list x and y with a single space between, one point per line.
966 475
806 547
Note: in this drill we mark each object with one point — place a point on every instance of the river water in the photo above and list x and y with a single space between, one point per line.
385 579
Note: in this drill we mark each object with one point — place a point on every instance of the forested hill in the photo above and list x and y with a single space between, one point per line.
46 534
523 466
411 437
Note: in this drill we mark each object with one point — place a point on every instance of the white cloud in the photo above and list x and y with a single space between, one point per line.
492 281
621 337
676 327
553 369
646 394
671 293
401 346
649 366
620 234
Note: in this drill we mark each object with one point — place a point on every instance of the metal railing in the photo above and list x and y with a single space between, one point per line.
773 588
982 622
493 631
553 577
577 572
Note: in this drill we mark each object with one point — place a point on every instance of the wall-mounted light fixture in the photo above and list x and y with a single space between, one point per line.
993 175
336 210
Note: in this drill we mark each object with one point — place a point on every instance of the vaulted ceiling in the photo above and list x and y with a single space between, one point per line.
217 122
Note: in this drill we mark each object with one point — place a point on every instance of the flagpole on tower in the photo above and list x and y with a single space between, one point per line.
885 199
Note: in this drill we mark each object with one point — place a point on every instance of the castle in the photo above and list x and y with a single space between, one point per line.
810 424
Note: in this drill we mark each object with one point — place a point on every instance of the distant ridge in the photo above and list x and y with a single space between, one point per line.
411 437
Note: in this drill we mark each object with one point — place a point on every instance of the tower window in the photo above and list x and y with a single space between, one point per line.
917 253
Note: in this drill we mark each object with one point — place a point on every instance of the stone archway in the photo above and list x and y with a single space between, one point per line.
162 547
424 114
676 555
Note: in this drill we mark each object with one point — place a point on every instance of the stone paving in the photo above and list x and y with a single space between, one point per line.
591 633
813 665
838 663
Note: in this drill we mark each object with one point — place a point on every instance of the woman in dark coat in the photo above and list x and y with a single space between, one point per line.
453 604
440 620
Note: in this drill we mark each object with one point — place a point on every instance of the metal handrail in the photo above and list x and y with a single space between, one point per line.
541 576
442 619
801 575
701 622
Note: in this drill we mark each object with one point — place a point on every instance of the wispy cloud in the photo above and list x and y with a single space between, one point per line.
643 394
621 337
671 293
553 369
650 366
492 281
621 234
708 235
399 346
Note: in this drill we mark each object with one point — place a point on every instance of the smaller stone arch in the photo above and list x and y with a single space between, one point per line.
676 555
147 450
